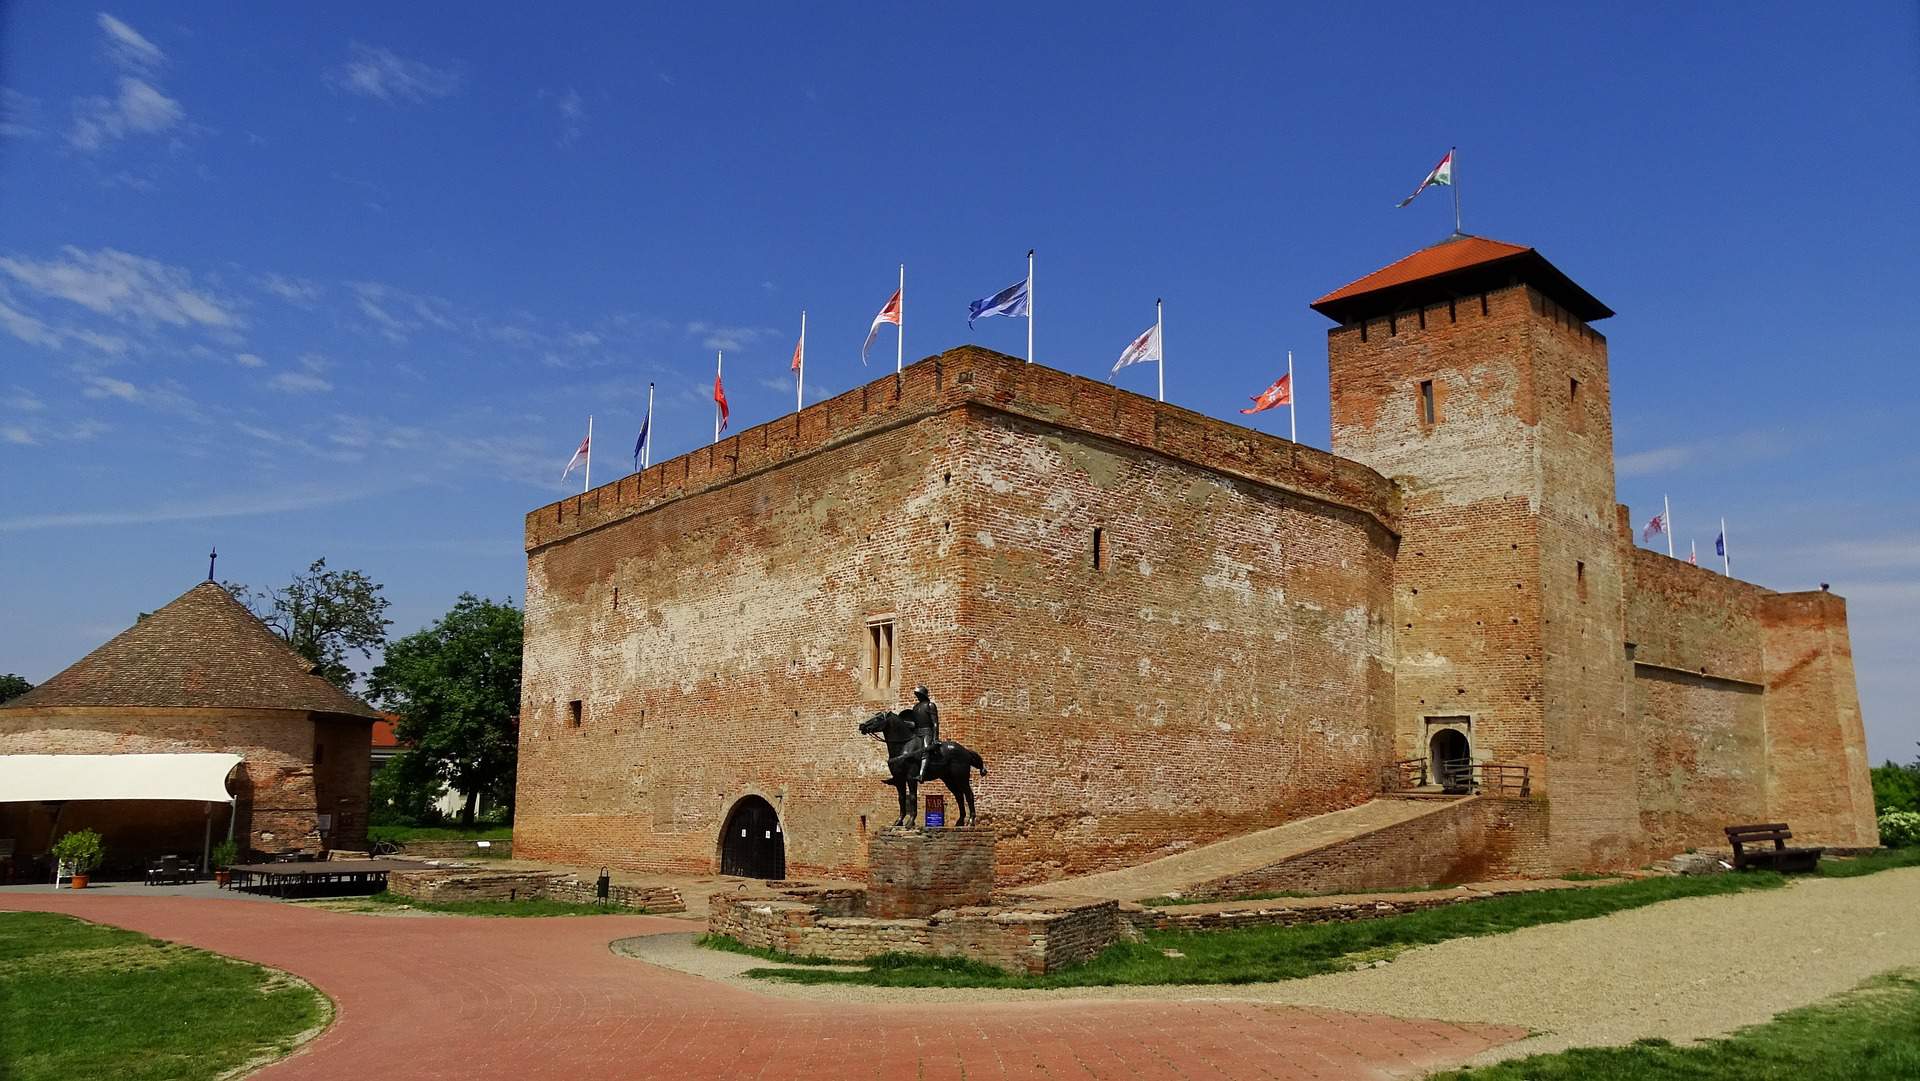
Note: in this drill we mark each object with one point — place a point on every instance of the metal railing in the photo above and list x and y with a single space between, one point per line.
1459 777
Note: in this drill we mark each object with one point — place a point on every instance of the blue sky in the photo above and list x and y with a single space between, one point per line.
346 282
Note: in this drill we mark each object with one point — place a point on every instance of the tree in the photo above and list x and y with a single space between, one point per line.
12 687
1896 788
324 615
456 686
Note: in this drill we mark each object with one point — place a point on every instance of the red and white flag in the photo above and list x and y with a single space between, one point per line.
799 351
889 313
579 456
1693 554
1280 393
1654 527
720 400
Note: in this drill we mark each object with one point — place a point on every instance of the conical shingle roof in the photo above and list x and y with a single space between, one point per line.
203 650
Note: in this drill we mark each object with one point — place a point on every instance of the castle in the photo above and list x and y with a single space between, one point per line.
1162 629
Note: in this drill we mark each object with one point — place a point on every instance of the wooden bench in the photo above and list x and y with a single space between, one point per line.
171 871
1777 858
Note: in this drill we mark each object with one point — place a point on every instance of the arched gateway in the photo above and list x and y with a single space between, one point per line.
1451 760
752 844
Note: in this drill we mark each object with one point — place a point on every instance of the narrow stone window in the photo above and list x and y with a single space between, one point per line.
1580 578
1483 303
880 660
1426 401
573 713
1099 548
1577 414
1452 315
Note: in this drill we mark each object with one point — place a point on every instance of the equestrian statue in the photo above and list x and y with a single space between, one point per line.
916 753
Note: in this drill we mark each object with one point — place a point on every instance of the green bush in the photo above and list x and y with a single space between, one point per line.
1899 829
81 850
1896 788
226 853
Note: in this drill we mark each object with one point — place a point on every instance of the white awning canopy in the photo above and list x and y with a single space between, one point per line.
32 778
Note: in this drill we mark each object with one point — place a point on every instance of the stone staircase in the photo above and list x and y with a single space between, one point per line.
1240 864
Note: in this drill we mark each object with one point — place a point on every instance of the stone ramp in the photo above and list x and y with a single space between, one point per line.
1183 872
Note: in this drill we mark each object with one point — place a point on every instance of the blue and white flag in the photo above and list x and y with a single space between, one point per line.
1010 302
640 444
1720 544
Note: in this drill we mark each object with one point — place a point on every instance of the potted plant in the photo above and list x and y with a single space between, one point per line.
225 855
80 850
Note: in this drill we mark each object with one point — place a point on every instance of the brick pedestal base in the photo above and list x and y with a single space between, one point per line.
912 873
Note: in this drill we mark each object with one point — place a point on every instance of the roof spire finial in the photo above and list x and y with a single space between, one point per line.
211 556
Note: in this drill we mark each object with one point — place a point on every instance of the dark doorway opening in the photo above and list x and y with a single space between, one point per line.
751 843
1451 760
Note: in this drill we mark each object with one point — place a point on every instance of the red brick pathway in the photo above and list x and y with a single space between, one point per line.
534 999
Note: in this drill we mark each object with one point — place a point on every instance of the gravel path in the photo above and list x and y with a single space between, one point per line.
1681 970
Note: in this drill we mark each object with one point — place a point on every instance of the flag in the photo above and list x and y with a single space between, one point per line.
800 347
1693 556
889 313
1010 302
1280 393
640 444
579 456
720 399
1441 174
1720 544
1144 348
1655 526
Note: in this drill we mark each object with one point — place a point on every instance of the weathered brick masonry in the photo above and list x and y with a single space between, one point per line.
1161 629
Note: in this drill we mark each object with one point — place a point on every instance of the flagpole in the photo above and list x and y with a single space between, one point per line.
800 373
1666 517
1454 168
1030 307
1159 331
1726 550
646 448
1293 393
719 358
900 328
586 480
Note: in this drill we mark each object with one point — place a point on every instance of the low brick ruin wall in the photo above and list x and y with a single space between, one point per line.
913 872
1018 934
443 884
1475 839
456 850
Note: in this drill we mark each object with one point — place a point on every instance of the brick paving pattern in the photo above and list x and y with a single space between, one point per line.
530 999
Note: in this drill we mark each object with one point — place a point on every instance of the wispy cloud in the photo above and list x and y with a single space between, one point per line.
100 386
297 291
251 504
162 396
124 286
379 73
573 113
129 48
299 383
1642 462
721 336
138 106
249 360
19 115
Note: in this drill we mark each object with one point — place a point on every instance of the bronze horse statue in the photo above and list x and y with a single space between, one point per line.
951 763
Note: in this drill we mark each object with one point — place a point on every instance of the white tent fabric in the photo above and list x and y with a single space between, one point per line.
29 778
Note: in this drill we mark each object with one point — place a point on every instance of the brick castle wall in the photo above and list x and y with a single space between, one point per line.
712 618
279 788
1817 768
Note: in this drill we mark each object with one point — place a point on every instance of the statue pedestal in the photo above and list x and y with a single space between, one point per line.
915 873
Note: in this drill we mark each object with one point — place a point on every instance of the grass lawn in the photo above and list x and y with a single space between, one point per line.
402 834
528 907
78 1000
1883 860
1255 954
1871 1033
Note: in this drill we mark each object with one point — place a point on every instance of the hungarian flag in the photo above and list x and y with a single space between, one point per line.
1441 174
1280 393
889 313
720 399
1693 556
586 448
1655 526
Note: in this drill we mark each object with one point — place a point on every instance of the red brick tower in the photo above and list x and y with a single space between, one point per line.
1468 373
